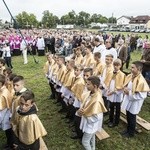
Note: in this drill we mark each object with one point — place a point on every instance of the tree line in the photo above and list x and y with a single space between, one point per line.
49 20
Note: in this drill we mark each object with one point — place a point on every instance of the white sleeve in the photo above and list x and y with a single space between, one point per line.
94 118
137 96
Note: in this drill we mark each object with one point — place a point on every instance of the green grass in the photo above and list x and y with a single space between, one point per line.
58 137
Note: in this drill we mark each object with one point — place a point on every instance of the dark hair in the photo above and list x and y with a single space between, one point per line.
18 78
78 48
97 54
94 80
89 47
88 70
2 79
97 39
138 65
48 53
11 76
8 70
2 61
28 95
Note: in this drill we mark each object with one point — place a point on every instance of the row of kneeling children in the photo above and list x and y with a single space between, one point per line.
85 94
18 114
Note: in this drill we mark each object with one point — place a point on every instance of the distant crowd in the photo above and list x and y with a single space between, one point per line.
66 41
87 77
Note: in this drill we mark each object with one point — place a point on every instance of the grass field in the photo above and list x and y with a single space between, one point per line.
58 137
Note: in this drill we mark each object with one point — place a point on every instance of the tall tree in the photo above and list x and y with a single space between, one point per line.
83 18
69 18
112 20
26 20
49 20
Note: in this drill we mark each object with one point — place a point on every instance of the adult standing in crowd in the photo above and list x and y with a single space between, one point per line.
109 50
122 51
23 48
40 46
146 62
7 55
52 44
99 45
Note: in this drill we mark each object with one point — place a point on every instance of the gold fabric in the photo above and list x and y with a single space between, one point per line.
45 68
29 128
47 65
15 104
88 60
68 79
78 60
10 88
139 83
61 71
119 78
5 98
98 68
94 106
109 73
54 68
78 87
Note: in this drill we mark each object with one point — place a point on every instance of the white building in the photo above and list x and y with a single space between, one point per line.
68 26
123 21
140 22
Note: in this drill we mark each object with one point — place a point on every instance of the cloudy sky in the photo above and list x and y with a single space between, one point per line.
61 7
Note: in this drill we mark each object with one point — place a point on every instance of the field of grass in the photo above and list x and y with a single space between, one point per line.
58 137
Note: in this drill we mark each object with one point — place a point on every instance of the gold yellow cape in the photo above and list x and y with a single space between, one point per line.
78 87
98 68
5 98
119 78
95 105
78 60
139 83
68 79
30 129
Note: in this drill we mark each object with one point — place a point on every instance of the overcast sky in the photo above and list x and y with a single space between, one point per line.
61 7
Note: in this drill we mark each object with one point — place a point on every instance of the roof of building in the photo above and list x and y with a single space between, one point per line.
140 19
128 17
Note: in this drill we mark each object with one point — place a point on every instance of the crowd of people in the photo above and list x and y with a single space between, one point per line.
91 82
86 75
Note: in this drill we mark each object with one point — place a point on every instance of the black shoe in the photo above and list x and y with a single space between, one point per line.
51 97
106 121
127 135
71 125
75 137
124 132
73 130
69 121
111 125
62 111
